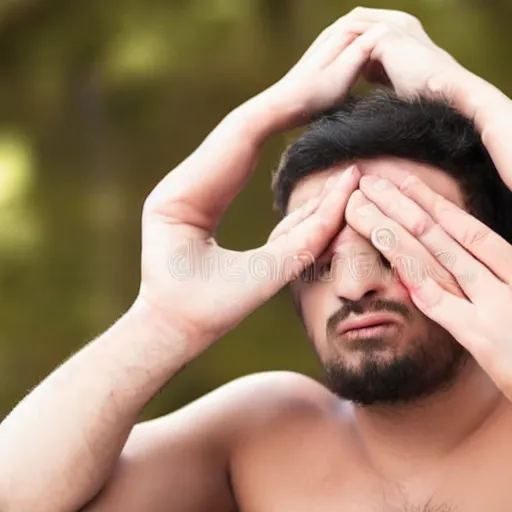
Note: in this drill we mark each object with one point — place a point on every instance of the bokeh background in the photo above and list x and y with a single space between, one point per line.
98 101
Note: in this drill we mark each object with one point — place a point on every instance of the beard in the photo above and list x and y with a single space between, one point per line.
429 363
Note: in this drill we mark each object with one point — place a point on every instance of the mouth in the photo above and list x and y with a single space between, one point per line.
371 325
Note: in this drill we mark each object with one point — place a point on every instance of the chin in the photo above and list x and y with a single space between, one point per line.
380 375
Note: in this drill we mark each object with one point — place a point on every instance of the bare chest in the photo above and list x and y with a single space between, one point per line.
301 475
289 492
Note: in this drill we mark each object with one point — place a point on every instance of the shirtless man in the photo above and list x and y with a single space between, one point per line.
440 441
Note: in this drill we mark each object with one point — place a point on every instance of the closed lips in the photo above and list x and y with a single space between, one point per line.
366 321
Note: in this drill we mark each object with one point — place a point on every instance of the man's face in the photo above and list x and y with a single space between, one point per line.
408 357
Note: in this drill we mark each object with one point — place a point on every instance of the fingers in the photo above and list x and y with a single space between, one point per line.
296 248
392 17
294 218
411 259
337 42
337 36
356 57
455 314
483 243
472 276
298 215
337 64
379 15
334 39
199 191
357 22
349 64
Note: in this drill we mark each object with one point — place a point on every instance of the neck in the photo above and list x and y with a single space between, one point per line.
433 427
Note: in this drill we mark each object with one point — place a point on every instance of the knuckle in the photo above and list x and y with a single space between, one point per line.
421 226
388 28
440 272
449 283
149 206
407 19
447 260
328 30
409 183
358 11
473 237
441 207
411 268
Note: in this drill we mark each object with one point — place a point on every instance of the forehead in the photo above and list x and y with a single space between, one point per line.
394 169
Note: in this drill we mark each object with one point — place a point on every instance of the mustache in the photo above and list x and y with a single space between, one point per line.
363 307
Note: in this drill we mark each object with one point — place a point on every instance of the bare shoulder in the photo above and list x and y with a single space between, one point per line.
258 403
184 459
253 398
278 386
269 395
233 409
218 424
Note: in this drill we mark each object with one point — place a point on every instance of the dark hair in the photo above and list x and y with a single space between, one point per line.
419 129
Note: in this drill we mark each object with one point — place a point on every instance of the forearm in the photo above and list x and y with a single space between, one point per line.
231 150
58 446
487 106
478 99
272 111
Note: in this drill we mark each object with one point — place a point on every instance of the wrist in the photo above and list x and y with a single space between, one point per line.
270 112
184 339
151 328
471 95
450 84
468 98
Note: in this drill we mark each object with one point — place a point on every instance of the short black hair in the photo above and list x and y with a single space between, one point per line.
420 129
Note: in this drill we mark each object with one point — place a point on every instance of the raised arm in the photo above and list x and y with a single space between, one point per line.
61 444
404 56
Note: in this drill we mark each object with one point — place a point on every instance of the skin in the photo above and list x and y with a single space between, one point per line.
280 441
359 276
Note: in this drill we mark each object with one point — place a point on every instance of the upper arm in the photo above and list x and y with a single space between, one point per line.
163 471
182 461
176 462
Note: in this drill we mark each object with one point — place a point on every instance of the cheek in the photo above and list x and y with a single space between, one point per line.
316 308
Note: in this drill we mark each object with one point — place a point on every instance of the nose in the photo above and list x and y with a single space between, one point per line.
360 271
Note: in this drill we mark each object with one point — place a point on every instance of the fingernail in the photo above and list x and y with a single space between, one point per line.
410 180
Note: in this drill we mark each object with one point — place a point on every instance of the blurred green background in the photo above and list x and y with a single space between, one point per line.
98 100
